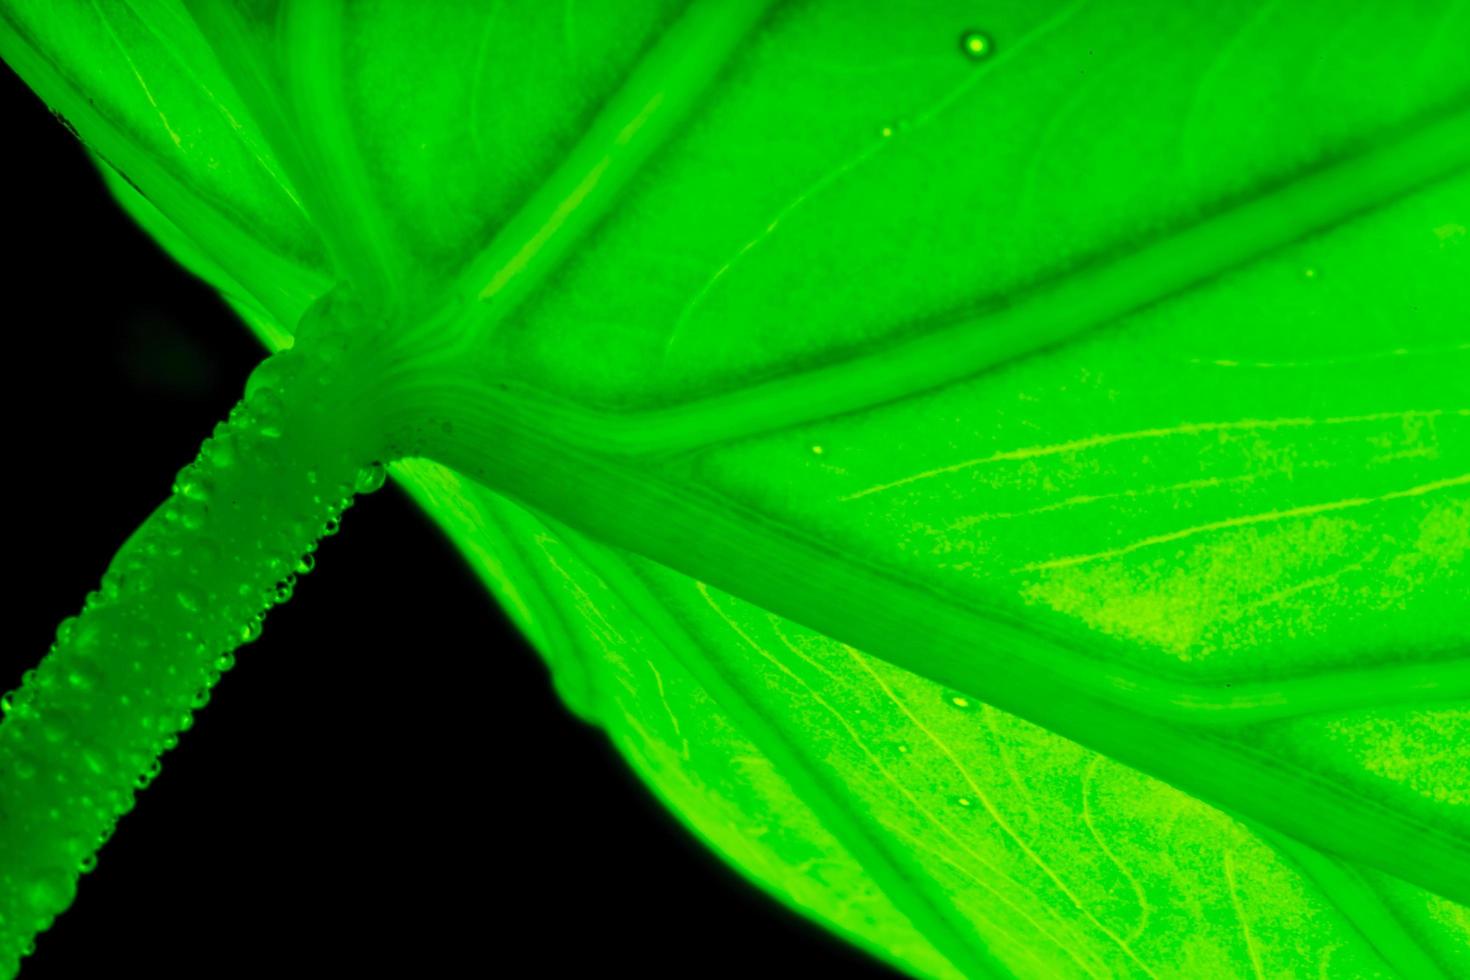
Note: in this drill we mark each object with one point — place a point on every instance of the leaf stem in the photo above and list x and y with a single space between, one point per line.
86 729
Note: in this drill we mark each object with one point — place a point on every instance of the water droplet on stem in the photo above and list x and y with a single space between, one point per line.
370 478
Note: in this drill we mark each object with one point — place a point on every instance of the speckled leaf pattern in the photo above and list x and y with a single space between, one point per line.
903 812
1015 508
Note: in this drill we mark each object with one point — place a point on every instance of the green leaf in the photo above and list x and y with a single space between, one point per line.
1013 503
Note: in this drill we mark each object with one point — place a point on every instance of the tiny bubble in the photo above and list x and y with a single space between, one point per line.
148 775
976 45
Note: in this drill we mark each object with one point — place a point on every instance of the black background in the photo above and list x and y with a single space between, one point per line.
385 784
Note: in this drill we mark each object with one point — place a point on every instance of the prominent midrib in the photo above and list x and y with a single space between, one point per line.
951 348
297 101
667 82
936 636
1226 703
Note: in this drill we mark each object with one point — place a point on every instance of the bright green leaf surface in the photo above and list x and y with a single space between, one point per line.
1099 406
900 810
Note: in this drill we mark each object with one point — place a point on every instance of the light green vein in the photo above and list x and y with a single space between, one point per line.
1247 520
1252 948
636 121
963 343
305 126
1360 904
933 915
1000 821
279 284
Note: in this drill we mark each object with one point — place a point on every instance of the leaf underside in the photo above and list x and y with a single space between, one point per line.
1136 349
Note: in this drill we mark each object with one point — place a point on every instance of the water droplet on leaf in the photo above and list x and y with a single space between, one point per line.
976 45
